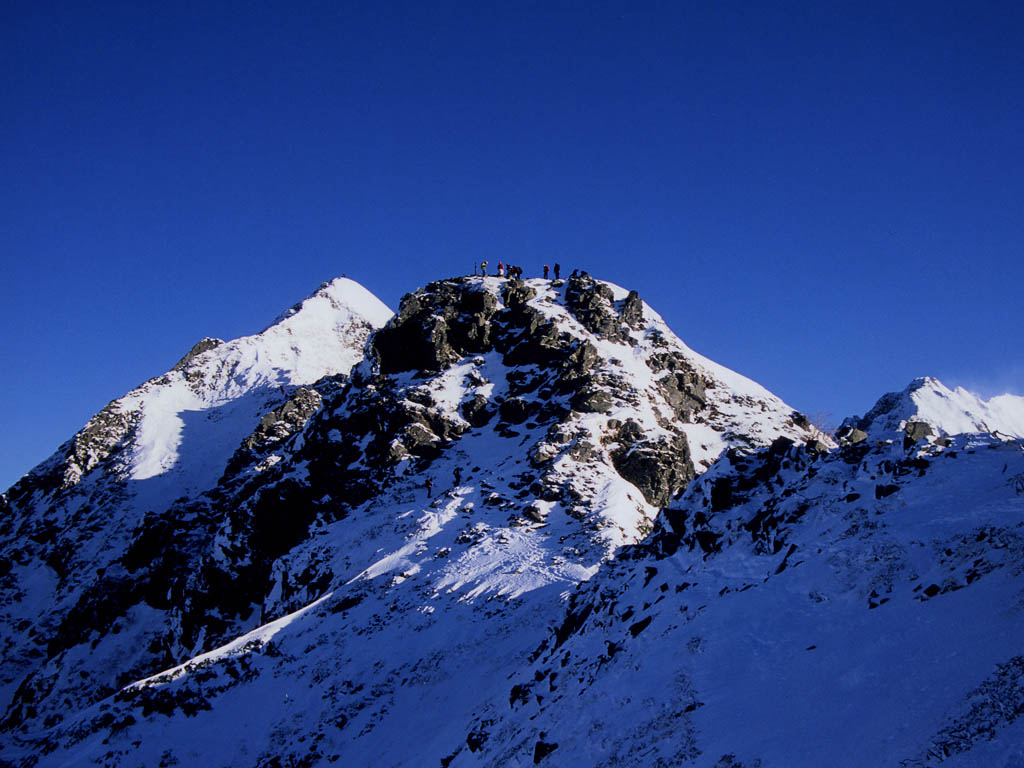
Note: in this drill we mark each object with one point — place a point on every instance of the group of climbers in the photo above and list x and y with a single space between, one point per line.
513 272
558 271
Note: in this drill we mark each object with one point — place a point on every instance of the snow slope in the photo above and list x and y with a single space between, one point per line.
861 609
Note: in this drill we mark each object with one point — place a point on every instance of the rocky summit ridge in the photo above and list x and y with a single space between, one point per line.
514 522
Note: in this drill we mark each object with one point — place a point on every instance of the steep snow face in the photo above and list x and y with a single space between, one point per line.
214 397
947 411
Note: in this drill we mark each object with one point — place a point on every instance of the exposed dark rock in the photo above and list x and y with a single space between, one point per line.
592 399
885 404
529 337
103 438
591 303
632 311
478 412
525 381
992 706
915 431
205 345
850 435
640 626
516 293
578 365
881 491
682 387
817 447
419 440
541 750
436 326
684 392
276 426
536 512
660 469
780 446
800 420
582 450
516 410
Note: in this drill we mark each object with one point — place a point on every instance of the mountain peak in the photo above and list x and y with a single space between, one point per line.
523 494
926 400
337 299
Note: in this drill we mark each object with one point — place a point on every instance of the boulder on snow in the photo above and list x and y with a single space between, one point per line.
850 435
478 412
817 447
516 410
914 432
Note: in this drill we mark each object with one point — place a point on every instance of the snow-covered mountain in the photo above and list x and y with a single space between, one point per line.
521 523
945 411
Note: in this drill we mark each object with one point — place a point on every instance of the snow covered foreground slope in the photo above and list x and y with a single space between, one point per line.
535 528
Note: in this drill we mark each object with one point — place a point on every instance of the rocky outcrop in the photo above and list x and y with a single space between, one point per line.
661 469
592 303
435 326
275 427
683 388
285 421
99 442
632 311
204 345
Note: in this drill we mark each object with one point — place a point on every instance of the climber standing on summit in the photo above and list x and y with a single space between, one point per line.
483 268
558 270
545 271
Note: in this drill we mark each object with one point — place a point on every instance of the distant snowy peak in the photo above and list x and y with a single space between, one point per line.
947 411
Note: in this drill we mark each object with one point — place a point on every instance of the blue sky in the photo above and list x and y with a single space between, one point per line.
826 197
